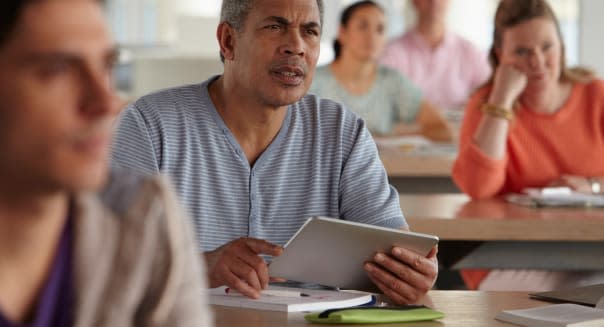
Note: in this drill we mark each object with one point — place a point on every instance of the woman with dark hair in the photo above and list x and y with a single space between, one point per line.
380 95
534 124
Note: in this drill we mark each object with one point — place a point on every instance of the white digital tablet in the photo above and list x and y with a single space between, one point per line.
332 252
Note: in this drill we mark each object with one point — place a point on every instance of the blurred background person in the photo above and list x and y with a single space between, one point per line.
445 66
80 246
535 123
380 95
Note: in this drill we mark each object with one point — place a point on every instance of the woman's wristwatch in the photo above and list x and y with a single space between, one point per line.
596 187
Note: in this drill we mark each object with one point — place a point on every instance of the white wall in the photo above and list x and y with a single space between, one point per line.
155 71
591 47
197 34
473 19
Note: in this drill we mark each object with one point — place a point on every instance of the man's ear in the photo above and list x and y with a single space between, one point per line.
225 34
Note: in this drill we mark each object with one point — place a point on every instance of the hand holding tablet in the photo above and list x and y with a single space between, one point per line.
332 252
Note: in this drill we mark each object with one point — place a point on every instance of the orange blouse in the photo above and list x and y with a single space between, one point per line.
540 147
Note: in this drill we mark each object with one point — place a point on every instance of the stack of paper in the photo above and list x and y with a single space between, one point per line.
556 197
407 142
415 145
557 315
562 315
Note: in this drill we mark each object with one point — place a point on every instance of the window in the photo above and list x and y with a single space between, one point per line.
134 22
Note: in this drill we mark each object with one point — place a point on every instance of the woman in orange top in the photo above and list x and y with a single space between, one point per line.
536 122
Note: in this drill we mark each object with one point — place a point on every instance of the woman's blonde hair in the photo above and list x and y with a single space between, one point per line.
511 13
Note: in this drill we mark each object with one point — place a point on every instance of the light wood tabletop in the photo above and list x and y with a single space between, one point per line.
410 163
461 308
457 217
416 156
401 165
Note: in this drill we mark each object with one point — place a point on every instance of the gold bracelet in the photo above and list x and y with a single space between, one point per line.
497 111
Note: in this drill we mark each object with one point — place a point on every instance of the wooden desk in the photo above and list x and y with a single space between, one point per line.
415 155
403 164
413 171
461 308
518 237
457 217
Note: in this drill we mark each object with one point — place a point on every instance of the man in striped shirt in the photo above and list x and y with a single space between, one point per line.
252 156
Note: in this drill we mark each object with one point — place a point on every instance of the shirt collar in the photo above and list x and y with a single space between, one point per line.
419 40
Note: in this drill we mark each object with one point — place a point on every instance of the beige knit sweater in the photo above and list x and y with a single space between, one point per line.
135 261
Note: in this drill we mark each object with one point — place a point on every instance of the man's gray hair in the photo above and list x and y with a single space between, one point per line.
234 12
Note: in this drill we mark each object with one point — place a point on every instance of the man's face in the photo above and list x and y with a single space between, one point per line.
57 103
275 54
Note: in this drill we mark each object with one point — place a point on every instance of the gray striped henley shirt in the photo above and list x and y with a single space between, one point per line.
323 162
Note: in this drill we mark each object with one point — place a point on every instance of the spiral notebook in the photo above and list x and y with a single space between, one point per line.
312 300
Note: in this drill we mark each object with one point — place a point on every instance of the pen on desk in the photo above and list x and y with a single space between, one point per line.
280 293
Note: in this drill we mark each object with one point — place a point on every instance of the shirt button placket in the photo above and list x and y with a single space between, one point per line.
253 218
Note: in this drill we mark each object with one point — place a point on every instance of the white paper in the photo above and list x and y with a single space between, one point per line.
556 197
557 315
317 300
